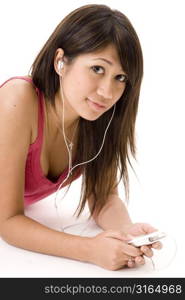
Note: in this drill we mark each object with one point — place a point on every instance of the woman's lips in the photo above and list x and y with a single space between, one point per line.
95 105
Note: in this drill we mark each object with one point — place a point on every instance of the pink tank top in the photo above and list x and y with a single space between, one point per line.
37 185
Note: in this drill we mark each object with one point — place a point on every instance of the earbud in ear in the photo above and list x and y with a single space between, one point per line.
60 65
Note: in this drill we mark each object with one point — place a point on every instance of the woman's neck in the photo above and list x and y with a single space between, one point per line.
55 115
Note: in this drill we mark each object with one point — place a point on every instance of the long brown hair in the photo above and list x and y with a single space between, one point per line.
87 29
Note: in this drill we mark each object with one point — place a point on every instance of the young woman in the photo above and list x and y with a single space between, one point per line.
74 115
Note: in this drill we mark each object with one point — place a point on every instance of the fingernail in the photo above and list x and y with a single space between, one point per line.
140 260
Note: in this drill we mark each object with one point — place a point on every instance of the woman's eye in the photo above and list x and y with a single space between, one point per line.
122 78
98 69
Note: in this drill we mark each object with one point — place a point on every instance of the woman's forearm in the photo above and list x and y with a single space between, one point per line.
23 232
114 215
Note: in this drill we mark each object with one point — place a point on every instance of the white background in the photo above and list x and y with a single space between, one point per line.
157 194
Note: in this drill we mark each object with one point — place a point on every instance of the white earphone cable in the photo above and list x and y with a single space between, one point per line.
71 168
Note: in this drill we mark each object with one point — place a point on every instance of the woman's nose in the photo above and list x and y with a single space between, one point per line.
105 89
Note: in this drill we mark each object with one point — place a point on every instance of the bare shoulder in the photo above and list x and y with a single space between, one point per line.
20 94
18 90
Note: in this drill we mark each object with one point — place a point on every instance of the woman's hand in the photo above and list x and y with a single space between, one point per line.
110 250
138 229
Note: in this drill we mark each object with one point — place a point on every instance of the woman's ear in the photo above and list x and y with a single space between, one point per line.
59 61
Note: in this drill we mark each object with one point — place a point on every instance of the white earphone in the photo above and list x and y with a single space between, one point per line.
60 65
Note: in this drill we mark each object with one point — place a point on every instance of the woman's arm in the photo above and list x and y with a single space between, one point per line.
23 232
114 215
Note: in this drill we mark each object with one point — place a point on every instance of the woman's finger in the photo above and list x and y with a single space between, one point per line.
131 250
139 260
131 262
147 251
157 245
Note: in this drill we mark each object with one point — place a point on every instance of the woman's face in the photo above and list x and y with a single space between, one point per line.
93 83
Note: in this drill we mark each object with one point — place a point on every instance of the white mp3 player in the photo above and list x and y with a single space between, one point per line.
147 239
